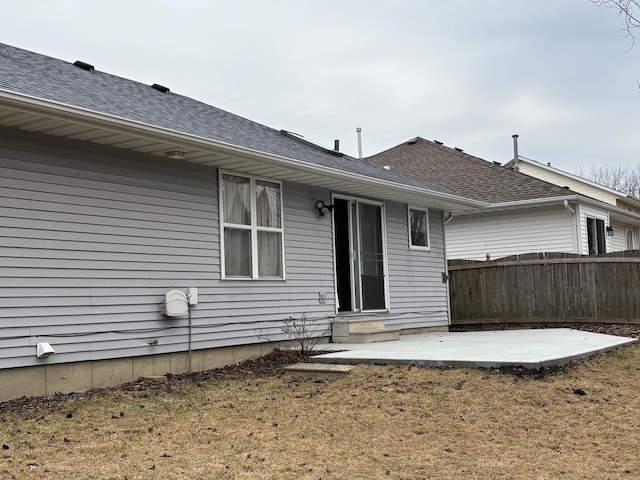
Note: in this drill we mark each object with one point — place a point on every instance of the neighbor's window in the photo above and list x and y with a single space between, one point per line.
595 236
628 235
251 224
418 228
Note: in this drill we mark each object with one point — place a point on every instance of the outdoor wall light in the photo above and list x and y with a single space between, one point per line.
321 207
610 231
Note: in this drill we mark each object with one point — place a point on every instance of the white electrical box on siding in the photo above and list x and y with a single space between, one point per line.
175 304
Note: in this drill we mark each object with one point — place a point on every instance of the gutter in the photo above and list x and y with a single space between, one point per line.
534 202
60 111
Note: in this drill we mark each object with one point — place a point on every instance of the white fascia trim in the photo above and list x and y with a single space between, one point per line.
26 103
532 202
572 176
560 200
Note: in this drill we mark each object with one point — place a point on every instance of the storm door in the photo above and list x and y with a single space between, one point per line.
360 255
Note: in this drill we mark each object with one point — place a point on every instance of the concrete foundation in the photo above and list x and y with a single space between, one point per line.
78 376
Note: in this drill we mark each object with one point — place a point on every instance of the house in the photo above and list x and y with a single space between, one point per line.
626 230
525 215
119 198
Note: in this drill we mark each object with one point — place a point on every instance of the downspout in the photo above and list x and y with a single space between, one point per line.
445 274
575 223
190 341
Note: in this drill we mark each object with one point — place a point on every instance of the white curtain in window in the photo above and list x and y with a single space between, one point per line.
269 213
268 204
237 209
237 200
237 252
270 254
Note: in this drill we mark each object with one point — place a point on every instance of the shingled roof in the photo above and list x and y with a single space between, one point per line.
80 85
464 174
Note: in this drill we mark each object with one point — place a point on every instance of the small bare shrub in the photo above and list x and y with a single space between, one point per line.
306 332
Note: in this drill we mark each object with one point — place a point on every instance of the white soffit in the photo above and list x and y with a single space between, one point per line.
59 120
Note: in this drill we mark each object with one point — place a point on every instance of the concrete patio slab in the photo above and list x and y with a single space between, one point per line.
534 348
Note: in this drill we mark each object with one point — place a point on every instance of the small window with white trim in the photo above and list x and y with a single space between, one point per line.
252 245
418 228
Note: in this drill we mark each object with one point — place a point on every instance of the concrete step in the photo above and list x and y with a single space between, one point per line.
344 329
360 324
318 371
378 335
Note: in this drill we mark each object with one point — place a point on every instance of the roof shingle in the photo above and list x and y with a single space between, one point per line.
464 174
47 78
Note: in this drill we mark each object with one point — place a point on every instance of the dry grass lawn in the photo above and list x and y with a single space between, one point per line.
378 422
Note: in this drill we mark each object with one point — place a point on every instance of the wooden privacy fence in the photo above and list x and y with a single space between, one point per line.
546 288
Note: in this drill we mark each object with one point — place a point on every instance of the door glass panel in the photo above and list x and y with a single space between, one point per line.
600 236
371 256
355 249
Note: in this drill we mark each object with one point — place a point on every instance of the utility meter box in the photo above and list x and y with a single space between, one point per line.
175 304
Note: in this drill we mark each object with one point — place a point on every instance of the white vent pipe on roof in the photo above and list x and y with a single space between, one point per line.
359 133
516 157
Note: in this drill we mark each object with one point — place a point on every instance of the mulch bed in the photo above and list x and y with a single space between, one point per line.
268 365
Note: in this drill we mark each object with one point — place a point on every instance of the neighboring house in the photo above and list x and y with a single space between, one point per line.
525 215
114 193
626 230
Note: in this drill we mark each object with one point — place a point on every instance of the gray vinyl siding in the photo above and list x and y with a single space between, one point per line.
418 298
91 238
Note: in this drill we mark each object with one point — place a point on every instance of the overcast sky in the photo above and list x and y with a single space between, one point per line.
465 72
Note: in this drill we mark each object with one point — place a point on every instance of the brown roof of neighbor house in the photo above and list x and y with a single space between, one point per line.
464 174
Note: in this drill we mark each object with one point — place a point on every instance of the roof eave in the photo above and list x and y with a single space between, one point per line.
533 202
615 212
311 173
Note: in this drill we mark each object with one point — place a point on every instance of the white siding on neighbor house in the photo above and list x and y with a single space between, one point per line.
500 234
91 238
618 242
418 296
585 211
602 194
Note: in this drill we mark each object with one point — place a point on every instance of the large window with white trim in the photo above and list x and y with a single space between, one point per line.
418 228
251 227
